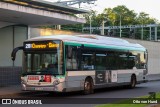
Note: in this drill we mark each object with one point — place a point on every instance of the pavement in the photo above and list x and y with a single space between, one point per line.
12 89
154 77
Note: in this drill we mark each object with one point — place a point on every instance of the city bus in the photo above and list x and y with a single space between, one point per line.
65 63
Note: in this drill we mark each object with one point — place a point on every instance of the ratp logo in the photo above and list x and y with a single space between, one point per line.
28 46
6 101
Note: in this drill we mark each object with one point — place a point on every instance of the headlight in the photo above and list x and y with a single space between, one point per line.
23 82
56 82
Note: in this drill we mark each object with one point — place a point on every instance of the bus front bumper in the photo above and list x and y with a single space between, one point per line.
57 88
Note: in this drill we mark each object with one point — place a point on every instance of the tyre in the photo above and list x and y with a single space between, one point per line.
133 81
88 86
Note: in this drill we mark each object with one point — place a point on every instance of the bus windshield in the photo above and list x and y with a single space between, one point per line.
43 62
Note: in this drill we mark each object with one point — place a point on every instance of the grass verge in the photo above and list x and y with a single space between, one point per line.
129 102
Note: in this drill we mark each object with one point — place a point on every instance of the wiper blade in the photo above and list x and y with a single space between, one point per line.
28 73
40 73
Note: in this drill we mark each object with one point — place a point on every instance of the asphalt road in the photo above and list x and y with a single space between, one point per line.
116 93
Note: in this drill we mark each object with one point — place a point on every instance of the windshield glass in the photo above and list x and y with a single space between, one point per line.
44 62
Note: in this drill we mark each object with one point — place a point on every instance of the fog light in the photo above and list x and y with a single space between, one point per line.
56 82
23 86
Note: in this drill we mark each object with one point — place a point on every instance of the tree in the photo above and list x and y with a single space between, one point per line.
91 16
127 16
112 18
143 18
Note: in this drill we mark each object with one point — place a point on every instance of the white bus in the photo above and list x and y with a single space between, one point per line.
64 63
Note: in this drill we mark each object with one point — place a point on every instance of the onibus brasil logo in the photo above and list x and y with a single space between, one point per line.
19 101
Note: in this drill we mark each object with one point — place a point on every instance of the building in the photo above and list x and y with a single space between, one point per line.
17 18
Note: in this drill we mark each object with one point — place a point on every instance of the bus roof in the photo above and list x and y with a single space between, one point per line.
93 41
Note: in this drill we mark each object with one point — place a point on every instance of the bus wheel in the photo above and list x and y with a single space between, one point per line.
88 86
133 81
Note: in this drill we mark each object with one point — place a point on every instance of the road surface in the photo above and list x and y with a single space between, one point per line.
117 93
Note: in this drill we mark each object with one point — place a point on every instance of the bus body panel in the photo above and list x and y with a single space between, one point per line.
73 80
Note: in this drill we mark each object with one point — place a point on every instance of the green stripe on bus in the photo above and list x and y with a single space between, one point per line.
71 43
113 47
60 76
105 47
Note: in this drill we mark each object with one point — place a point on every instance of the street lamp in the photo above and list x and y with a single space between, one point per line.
120 26
142 31
105 19
103 22
90 27
120 23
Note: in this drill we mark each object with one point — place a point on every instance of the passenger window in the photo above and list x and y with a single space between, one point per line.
139 59
100 61
87 62
72 61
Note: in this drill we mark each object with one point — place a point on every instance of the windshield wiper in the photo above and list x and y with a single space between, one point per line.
44 72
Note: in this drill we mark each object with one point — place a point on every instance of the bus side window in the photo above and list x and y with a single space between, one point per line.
71 60
142 60
68 64
131 61
88 59
111 61
139 59
100 61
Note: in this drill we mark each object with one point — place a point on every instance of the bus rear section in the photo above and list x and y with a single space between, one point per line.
90 67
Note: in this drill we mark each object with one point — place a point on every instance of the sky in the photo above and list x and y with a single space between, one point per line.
151 7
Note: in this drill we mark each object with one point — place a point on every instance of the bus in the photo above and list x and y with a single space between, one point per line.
65 63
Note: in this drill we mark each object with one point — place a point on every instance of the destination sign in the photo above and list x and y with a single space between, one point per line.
41 45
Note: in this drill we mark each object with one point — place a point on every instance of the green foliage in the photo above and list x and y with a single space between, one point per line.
143 18
127 16
112 16
128 103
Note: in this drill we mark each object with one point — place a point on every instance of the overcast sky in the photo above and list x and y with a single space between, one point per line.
152 7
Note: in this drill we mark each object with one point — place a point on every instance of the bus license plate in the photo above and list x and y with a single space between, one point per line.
38 88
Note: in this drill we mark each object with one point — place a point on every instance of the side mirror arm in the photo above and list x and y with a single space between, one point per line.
13 54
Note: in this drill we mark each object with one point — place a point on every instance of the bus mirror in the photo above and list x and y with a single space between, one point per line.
13 54
69 52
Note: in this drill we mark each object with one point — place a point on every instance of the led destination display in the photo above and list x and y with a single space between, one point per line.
41 45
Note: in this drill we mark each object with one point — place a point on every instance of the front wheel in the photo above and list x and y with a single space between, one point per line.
133 82
88 87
